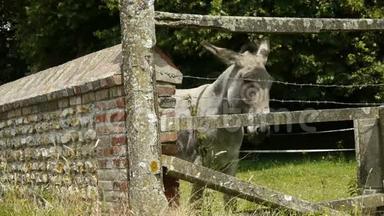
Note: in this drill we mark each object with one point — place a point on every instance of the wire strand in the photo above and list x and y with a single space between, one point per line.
315 132
326 102
296 151
296 84
295 101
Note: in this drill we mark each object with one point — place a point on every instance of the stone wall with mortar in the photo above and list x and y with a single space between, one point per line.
70 133
75 143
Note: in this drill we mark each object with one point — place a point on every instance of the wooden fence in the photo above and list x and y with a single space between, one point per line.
368 122
368 128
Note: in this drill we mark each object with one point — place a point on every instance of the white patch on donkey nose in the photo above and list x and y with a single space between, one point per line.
252 129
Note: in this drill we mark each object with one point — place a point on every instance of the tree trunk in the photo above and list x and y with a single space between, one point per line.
146 193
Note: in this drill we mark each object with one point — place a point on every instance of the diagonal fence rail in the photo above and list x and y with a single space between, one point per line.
231 185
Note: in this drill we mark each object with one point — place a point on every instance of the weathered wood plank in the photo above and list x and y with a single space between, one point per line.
267 24
274 118
369 155
231 185
358 202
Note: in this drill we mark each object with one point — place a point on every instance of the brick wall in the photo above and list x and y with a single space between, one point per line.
76 143
112 148
50 143
65 127
168 139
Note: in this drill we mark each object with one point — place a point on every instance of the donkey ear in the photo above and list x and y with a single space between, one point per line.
227 56
263 50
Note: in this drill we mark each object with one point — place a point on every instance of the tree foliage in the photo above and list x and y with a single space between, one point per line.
11 64
325 58
49 32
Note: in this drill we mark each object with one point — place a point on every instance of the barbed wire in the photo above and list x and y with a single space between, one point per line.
296 84
326 102
293 101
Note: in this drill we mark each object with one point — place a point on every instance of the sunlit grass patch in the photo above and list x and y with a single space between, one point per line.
310 178
314 179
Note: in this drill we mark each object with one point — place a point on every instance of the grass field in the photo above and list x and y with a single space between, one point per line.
310 177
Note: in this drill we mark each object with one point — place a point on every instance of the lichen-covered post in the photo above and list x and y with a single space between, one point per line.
146 195
369 134
369 153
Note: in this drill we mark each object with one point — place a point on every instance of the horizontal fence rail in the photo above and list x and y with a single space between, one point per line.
274 118
267 24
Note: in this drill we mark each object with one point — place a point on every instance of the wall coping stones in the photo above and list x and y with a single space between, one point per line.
94 71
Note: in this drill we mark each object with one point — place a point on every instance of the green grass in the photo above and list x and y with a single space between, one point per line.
312 178
22 201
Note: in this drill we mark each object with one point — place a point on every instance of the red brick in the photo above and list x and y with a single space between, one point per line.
77 90
88 98
117 79
111 104
120 163
111 128
168 112
103 82
106 152
75 100
120 102
101 118
119 140
101 105
102 94
117 116
168 137
113 151
116 91
166 90
120 186
104 141
102 163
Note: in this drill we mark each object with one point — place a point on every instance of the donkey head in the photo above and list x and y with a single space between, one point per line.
247 88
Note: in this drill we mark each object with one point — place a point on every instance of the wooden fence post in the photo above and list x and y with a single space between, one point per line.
145 189
369 136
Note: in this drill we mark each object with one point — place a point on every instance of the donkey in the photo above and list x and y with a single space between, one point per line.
242 88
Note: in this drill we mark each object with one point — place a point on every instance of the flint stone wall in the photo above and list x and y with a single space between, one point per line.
65 126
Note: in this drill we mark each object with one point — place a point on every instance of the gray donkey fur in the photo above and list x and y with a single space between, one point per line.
241 88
